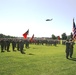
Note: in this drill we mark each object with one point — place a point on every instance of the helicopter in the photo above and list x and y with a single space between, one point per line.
49 19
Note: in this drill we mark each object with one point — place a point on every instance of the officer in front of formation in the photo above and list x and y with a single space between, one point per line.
69 48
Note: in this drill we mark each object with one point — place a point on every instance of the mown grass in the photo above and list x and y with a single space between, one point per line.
38 60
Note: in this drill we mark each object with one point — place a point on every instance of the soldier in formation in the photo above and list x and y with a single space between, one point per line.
6 43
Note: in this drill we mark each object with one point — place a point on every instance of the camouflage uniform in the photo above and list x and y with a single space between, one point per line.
21 46
2 45
71 48
67 48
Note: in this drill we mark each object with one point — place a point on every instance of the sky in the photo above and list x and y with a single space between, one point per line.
17 16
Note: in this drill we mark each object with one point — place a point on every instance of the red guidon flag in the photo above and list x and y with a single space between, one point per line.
31 39
58 37
25 34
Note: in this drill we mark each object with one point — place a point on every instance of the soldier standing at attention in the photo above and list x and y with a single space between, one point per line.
21 46
17 44
8 45
27 43
2 45
13 45
71 47
67 48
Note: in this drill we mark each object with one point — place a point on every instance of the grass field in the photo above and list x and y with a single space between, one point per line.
38 60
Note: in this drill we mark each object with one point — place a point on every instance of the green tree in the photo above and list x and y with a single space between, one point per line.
64 36
53 36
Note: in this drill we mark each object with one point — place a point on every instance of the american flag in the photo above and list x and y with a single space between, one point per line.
74 30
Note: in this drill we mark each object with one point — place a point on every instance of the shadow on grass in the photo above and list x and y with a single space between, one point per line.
30 54
73 59
35 48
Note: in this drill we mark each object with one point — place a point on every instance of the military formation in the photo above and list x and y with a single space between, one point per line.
21 44
46 42
17 44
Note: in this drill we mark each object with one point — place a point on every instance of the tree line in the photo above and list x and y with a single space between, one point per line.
64 36
6 36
